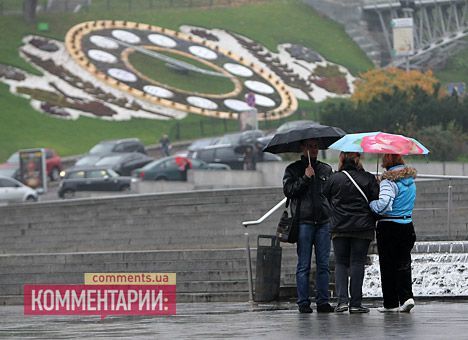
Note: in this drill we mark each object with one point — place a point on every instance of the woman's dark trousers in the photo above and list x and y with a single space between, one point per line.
350 259
394 242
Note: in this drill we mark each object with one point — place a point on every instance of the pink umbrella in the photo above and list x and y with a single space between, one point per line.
379 142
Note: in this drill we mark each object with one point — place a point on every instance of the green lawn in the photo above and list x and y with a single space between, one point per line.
270 23
456 69
190 81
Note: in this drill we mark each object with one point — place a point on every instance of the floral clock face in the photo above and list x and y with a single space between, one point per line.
177 70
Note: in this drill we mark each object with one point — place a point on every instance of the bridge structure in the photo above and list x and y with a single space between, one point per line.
440 28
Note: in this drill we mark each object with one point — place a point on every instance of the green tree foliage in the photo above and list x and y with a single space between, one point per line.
446 144
439 122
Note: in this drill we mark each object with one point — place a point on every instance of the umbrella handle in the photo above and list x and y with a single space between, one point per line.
308 155
377 165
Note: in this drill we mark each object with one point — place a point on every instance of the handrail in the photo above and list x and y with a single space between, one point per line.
441 176
280 204
264 217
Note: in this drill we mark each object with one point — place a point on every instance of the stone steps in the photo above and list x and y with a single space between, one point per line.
202 275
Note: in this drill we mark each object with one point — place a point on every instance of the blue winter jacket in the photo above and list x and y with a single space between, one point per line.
397 195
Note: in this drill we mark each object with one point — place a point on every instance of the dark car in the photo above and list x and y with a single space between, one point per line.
92 179
118 145
237 138
230 155
173 168
282 128
11 167
124 163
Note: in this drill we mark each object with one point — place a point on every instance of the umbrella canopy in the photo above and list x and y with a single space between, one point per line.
290 141
380 142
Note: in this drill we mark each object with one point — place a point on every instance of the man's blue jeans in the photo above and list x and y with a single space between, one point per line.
318 236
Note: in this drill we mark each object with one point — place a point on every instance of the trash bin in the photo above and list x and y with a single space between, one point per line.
267 283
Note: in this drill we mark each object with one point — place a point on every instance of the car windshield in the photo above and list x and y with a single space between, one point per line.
87 160
112 173
102 148
232 139
150 165
7 172
294 124
111 160
14 158
200 143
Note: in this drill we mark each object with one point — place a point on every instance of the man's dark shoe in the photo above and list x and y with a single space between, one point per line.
342 307
305 309
325 308
360 309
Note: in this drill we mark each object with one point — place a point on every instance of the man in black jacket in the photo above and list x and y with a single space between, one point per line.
303 183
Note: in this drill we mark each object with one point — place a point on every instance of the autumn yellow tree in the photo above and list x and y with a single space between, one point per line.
377 82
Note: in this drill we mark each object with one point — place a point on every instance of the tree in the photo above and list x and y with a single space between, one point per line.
375 83
29 10
444 144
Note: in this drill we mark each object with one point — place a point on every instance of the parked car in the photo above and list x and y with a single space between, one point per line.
53 165
12 190
282 128
294 124
245 137
125 163
92 179
118 145
10 170
173 168
226 154
197 145
203 142
122 163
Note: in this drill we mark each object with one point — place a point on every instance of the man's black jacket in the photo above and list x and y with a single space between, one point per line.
314 208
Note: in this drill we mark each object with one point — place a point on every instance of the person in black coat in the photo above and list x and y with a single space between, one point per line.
352 227
303 183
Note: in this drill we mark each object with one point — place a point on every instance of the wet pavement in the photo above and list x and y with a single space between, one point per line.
429 320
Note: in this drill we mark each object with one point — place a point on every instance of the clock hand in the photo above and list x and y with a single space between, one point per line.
170 60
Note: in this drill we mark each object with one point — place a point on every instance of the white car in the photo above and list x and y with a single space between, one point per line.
13 191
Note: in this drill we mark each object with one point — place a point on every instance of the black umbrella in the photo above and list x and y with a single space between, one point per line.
289 141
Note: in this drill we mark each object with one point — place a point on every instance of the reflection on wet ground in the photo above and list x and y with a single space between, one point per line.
429 320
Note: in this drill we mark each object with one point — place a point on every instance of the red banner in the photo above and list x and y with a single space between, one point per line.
100 300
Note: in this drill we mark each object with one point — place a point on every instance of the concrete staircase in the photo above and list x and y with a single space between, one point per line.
197 235
202 275
349 14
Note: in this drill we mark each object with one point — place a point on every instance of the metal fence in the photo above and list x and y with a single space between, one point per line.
15 7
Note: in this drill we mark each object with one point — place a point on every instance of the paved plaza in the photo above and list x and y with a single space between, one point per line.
429 320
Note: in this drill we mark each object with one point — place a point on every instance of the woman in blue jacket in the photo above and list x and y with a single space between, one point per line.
395 233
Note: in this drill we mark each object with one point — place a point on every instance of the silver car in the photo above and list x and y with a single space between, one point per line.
12 190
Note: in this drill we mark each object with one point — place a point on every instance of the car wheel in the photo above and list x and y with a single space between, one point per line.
55 174
68 193
30 199
125 188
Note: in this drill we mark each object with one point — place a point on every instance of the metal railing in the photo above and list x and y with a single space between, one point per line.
247 243
281 203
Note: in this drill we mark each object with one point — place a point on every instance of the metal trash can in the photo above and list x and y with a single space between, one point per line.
267 283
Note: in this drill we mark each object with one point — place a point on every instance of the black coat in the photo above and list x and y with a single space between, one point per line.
350 211
314 206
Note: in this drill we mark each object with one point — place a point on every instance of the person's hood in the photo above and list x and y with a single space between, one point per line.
401 173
